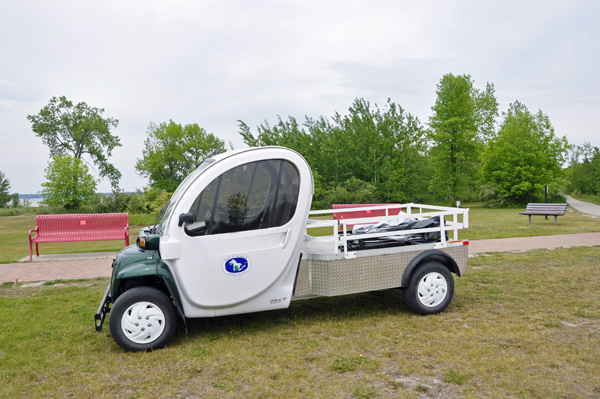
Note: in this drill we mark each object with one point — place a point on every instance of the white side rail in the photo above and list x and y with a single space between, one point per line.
340 236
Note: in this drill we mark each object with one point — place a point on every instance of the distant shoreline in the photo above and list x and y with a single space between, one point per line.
33 196
35 199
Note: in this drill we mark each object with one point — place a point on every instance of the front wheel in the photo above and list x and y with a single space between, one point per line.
430 289
142 318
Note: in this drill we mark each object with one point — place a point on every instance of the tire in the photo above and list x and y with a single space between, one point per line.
145 304
430 289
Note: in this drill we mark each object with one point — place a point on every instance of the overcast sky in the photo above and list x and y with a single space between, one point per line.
214 62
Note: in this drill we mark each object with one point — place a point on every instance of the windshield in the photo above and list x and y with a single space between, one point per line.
168 208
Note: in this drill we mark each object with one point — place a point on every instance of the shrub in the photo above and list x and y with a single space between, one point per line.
146 201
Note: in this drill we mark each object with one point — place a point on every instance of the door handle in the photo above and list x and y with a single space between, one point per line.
287 238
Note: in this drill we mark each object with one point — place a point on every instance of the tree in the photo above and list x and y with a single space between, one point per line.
5 196
69 183
524 156
584 176
172 151
78 130
385 148
463 120
14 200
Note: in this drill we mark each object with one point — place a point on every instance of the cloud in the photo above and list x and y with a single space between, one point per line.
214 62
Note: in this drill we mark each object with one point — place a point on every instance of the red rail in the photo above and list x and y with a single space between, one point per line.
84 227
362 214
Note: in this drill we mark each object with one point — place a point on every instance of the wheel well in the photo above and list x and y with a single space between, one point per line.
444 260
144 281
437 256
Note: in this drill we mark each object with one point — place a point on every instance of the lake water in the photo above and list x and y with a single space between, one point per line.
34 201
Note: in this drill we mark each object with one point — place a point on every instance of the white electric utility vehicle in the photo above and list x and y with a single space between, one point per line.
234 239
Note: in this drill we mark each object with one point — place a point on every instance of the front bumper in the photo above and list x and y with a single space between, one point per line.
103 309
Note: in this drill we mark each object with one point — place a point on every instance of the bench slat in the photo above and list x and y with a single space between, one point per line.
545 210
79 227
543 213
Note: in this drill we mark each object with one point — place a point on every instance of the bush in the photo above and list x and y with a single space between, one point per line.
155 198
491 198
69 183
146 201
352 191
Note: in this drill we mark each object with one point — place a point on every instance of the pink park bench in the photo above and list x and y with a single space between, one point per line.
363 214
86 227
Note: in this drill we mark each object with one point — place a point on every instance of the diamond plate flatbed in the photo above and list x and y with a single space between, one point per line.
322 272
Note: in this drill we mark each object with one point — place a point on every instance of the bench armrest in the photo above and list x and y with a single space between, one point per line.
33 231
127 235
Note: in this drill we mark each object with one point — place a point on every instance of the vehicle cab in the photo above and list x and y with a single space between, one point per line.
228 241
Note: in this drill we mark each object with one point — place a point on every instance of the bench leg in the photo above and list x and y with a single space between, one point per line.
529 219
555 217
30 251
37 250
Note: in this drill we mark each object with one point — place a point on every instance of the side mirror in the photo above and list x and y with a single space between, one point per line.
187 218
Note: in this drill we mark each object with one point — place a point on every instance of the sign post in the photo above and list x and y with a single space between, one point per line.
546 196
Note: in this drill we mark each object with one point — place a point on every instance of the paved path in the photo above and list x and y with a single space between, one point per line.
57 257
78 266
58 270
71 266
529 243
585 207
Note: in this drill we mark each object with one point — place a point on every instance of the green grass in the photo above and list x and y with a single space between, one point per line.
456 377
486 223
520 325
14 241
345 364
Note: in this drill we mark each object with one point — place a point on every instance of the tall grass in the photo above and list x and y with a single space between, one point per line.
39 210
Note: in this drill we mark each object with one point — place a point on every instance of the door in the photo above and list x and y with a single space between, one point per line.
248 227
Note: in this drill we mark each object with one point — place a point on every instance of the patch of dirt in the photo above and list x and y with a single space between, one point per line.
427 387
567 324
29 285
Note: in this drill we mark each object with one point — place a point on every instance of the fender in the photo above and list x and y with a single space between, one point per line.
432 254
149 268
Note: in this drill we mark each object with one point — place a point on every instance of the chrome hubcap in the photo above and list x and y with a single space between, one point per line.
433 289
143 322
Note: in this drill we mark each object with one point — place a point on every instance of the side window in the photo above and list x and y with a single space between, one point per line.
252 196
287 195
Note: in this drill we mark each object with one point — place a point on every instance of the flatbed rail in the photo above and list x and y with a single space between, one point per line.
340 238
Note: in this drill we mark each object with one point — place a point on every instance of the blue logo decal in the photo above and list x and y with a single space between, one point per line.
237 264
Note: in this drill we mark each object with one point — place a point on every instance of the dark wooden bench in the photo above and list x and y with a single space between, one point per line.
82 227
545 210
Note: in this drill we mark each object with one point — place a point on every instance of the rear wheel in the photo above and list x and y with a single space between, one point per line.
430 289
142 318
